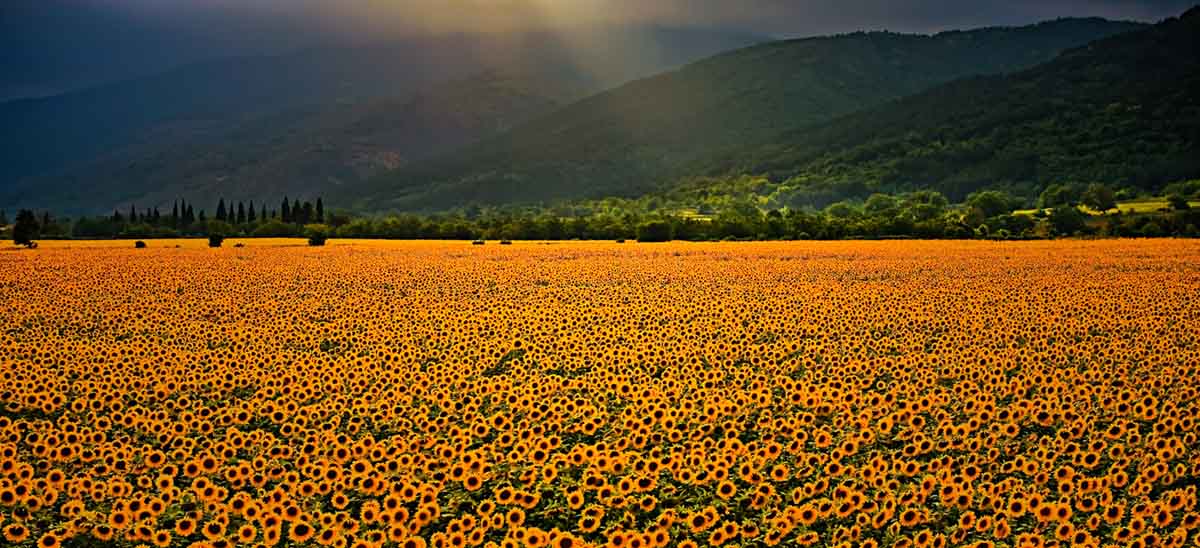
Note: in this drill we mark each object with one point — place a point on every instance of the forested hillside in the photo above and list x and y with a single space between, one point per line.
629 140
1124 111
304 151
107 143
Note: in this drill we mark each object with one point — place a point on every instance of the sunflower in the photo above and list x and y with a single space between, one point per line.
161 539
49 540
16 533
300 532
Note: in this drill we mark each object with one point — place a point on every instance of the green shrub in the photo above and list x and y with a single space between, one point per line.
317 234
275 228
217 232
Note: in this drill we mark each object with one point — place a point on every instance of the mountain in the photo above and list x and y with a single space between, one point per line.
65 135
1123 111
628 140
303 151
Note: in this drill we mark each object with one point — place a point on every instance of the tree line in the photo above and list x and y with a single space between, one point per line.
923 214
185 220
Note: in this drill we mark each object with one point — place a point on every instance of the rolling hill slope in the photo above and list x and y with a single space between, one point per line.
71 138
1123 111
301 151
628 140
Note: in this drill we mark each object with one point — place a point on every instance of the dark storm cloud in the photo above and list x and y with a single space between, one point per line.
48 45
788 17
808 18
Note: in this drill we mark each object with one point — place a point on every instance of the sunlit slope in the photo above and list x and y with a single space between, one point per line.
104 144
1123 111
625 141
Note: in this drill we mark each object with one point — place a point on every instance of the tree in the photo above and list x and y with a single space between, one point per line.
654 231
241 213
285 211
317 234
1068 220
840 210
26 229
880 205
49 227
320 211
221 214
309 214
3 218
1099 197
1178 203
926 205
1058 195
217 232
274 228
776 226
337 219
990 203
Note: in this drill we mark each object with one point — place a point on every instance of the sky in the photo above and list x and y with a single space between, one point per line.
51 46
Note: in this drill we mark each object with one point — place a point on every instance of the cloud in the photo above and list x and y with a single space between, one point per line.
54 44
787 17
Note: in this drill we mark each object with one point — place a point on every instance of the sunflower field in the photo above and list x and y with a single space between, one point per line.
419 394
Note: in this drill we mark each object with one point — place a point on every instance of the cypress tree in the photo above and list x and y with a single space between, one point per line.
132 214
287 211
298 213
320 211
250 216
175 214
221 215
241 213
